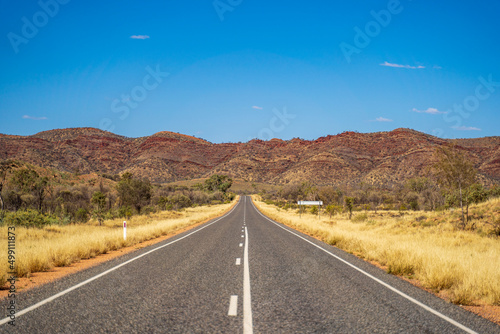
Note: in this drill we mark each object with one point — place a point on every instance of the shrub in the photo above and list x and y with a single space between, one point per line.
125 212
29 218
230 196
332 209
179 201
149 209
494 191
82 215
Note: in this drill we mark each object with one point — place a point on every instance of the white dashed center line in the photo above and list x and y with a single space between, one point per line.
247 298
233 306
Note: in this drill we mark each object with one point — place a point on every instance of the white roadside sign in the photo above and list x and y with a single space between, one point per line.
310 202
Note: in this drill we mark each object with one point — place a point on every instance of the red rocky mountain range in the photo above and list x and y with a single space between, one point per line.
382 158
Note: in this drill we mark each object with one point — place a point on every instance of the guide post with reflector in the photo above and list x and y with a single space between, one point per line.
124 230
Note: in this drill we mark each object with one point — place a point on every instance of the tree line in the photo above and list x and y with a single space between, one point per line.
453 183
31 198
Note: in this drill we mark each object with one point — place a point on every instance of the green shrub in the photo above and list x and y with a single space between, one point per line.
125 212
82 215
230 196
108 215
179 201
494 191
30 218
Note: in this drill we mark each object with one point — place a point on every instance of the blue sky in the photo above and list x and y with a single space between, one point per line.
232 70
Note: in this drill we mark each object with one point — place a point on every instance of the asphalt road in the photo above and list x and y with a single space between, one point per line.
241 273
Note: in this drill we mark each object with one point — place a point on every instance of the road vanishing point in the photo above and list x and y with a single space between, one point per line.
240 273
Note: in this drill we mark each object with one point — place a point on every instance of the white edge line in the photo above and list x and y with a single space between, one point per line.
247 297
233 306
402 294
74 287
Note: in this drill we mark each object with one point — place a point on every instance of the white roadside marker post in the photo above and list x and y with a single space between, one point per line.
124 230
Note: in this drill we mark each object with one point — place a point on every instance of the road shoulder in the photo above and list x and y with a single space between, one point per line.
41 278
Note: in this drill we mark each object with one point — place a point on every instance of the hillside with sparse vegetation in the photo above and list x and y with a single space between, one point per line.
381 159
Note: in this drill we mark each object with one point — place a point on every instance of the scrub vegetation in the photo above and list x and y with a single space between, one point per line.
433 248
41 249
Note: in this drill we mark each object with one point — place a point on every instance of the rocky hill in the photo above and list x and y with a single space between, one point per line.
382 158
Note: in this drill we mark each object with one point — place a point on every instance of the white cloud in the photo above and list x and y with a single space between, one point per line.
466 128
382 119
139 36
437 67
34 118
400 66
256 107
432 111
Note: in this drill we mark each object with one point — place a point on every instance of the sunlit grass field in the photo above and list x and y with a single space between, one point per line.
56 246
463 266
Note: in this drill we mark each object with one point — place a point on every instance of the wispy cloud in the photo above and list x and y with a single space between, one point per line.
34 118
466 128
256 107
139 36
385 63
432 111
437 67
382 119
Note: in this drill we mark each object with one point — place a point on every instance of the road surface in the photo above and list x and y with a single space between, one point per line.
241 273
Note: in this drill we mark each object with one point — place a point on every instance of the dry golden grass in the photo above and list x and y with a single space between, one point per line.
465 265
55 246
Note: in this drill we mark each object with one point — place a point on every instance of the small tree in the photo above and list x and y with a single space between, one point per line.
5 167
456 173
81 215
134 192
30 183
99 201
39 188
374 198
331 209
412 199
349 203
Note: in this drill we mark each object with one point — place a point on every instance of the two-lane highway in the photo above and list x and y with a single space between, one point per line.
238 273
